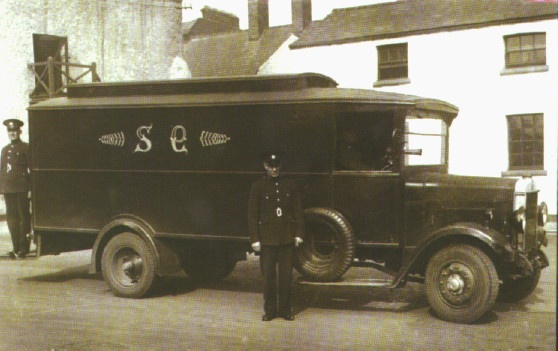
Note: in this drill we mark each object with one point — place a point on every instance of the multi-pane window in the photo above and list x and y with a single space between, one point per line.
526 142
523 50
392 62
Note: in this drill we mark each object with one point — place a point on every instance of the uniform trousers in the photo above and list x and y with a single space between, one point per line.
276 263
19 220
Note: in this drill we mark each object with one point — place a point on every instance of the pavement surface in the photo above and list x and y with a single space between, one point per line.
52 303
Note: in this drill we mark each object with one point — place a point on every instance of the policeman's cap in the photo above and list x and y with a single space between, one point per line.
272 160
13 124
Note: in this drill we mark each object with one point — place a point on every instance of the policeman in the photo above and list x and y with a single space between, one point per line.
14 185
276 226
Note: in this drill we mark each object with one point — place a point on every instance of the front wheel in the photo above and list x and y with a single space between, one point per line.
129 266
461 283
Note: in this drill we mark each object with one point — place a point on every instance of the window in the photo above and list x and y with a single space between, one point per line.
430 137
525 50
392 65
364 142
526 142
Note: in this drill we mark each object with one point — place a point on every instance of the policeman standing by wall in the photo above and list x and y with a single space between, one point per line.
14 185
276 226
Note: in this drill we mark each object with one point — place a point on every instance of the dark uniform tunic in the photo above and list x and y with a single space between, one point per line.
275 218
14 184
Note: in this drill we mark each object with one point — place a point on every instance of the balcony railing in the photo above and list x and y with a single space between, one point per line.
54 77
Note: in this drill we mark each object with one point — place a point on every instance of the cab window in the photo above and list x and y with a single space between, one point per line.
363 142
428 135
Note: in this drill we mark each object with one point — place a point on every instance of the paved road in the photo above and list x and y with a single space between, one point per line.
53 304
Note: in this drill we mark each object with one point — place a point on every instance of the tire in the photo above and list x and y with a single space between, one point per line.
128 266
461 283
329 246
514 290
207 264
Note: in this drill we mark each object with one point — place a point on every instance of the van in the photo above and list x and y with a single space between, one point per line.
154 177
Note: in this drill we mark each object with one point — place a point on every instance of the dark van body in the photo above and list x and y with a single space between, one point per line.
155 177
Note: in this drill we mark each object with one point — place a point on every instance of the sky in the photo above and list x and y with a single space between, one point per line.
279 10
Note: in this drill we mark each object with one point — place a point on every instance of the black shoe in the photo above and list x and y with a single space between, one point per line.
22 254
267 317
288 317
14 255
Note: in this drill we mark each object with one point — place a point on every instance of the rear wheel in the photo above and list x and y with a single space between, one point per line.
329 246
461 283
128 266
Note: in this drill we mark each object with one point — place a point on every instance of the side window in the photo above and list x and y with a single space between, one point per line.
363 142
430 137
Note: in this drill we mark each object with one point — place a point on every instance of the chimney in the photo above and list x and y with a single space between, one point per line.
302 14
258 18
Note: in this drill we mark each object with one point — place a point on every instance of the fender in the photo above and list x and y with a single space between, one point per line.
491 238
166 260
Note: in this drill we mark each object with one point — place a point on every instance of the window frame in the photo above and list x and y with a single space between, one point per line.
391 63
535 53
525 153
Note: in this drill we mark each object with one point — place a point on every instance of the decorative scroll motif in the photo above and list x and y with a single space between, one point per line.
211 139
114 139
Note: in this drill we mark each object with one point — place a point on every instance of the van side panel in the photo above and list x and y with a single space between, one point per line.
185 171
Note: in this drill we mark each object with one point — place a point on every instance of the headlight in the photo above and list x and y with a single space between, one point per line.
542 214
519 216
488 215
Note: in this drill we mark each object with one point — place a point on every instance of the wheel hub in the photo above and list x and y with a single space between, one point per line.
456 283
130 265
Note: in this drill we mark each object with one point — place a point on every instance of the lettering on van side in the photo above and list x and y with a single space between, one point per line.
178 139
142 133
175 141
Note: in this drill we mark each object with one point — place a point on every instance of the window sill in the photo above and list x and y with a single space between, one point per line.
388 82
523 70
525 173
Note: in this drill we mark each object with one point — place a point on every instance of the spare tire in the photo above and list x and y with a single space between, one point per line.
329 246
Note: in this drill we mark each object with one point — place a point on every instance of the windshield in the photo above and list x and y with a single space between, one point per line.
428 135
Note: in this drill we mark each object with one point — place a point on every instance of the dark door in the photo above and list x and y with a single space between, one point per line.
365 183
45 46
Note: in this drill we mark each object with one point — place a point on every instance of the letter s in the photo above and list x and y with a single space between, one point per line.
141 133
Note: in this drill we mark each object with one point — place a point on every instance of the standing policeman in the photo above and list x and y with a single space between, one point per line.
276 226
14 185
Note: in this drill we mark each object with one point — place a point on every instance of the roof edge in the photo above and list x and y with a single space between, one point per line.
299 44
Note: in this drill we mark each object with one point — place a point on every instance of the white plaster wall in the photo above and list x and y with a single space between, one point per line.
129 40
463 68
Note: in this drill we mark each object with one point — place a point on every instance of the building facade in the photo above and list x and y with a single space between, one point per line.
128 40
497 61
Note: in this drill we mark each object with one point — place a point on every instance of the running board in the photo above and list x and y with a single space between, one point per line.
370 283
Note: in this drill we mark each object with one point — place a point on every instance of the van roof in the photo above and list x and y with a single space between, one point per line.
245 90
